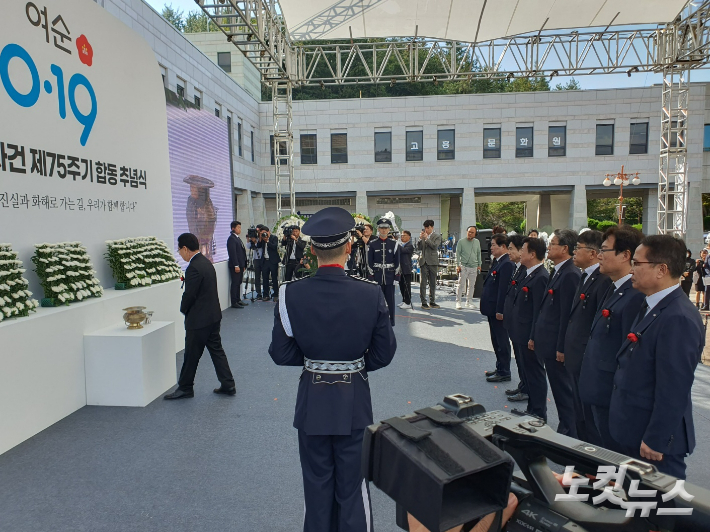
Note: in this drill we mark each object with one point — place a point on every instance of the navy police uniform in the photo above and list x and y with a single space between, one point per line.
383 263
612 322
650 399
333 406
492 303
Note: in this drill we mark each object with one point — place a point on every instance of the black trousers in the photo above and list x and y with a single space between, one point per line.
270 270
405 287
258 272
336 495
195 342
236 286
520 363
583 416
561 386
601 424
292 267
501 345
388 291
536 381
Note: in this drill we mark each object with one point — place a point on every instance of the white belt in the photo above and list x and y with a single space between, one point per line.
329 366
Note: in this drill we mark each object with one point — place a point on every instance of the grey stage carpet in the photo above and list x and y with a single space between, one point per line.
231 463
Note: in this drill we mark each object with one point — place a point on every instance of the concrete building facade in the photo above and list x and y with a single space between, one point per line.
436 156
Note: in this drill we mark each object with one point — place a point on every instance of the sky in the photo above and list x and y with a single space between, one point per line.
606 81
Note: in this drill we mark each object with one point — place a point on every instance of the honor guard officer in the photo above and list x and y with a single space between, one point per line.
333 406
383 263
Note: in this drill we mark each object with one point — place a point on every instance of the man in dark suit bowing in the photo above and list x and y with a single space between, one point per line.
651 413
237 264
526 305
203 317
492 302
515 245
548 334
612 322
591 289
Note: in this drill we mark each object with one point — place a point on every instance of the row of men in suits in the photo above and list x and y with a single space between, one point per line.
602 328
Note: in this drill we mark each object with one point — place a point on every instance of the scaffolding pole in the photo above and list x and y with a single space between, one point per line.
281 97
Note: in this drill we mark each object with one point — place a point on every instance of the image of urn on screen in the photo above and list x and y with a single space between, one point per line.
201 213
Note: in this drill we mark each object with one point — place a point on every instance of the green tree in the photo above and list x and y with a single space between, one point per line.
605 210
510 215
174 16
198 22
571 85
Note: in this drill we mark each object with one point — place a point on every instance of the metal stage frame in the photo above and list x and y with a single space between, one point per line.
258 29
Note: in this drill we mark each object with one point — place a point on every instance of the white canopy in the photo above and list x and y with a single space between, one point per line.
459 19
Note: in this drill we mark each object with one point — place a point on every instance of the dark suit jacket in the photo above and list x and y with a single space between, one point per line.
650 401
495 286
273 246
581 318
405 257
237 252
318 309
550 326
200 303
526 305
605 338
513 287
288 243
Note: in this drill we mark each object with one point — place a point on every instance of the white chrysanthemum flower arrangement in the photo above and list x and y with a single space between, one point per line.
15 299
141 261
66 273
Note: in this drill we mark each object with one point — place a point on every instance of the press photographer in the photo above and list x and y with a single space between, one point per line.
257 255
270 269
294 245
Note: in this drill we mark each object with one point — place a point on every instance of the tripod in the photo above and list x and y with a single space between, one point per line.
250 268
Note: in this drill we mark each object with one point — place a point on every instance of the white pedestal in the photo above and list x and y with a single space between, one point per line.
129 367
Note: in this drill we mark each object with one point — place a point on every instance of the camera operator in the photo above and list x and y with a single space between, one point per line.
270 245
294 245
257 257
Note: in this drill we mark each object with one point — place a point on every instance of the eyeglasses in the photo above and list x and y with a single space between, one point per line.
637 262
601 251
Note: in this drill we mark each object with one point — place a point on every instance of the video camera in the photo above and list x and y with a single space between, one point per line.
440 464
252 232
358 228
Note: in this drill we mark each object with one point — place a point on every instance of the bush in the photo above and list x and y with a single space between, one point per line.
605 224
638 226
592 223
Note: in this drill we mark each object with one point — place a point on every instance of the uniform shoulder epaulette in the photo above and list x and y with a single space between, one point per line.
358 278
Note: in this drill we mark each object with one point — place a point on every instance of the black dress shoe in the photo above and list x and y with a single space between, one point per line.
424 305
498 378
179 394
266 298
491 373
258 298
237 305
512 392
518 397
225 391
242 303
434 305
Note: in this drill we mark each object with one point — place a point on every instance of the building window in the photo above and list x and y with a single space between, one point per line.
523 142
445 149
282 151
605 139
239 139
638 140
309 149
491 143
180 88
198 102
557 141
338 148
224 60
706 138
216 111
252 146
415 145
383 147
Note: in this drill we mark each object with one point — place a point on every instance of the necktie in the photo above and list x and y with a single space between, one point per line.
641 314
580 288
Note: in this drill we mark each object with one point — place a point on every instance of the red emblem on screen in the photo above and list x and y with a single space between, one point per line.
86 52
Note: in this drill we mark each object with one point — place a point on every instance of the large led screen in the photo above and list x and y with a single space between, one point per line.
200 178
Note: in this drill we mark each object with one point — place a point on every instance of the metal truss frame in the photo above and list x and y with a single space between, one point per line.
258 29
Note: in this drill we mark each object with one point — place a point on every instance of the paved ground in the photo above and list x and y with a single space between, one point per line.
231 463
